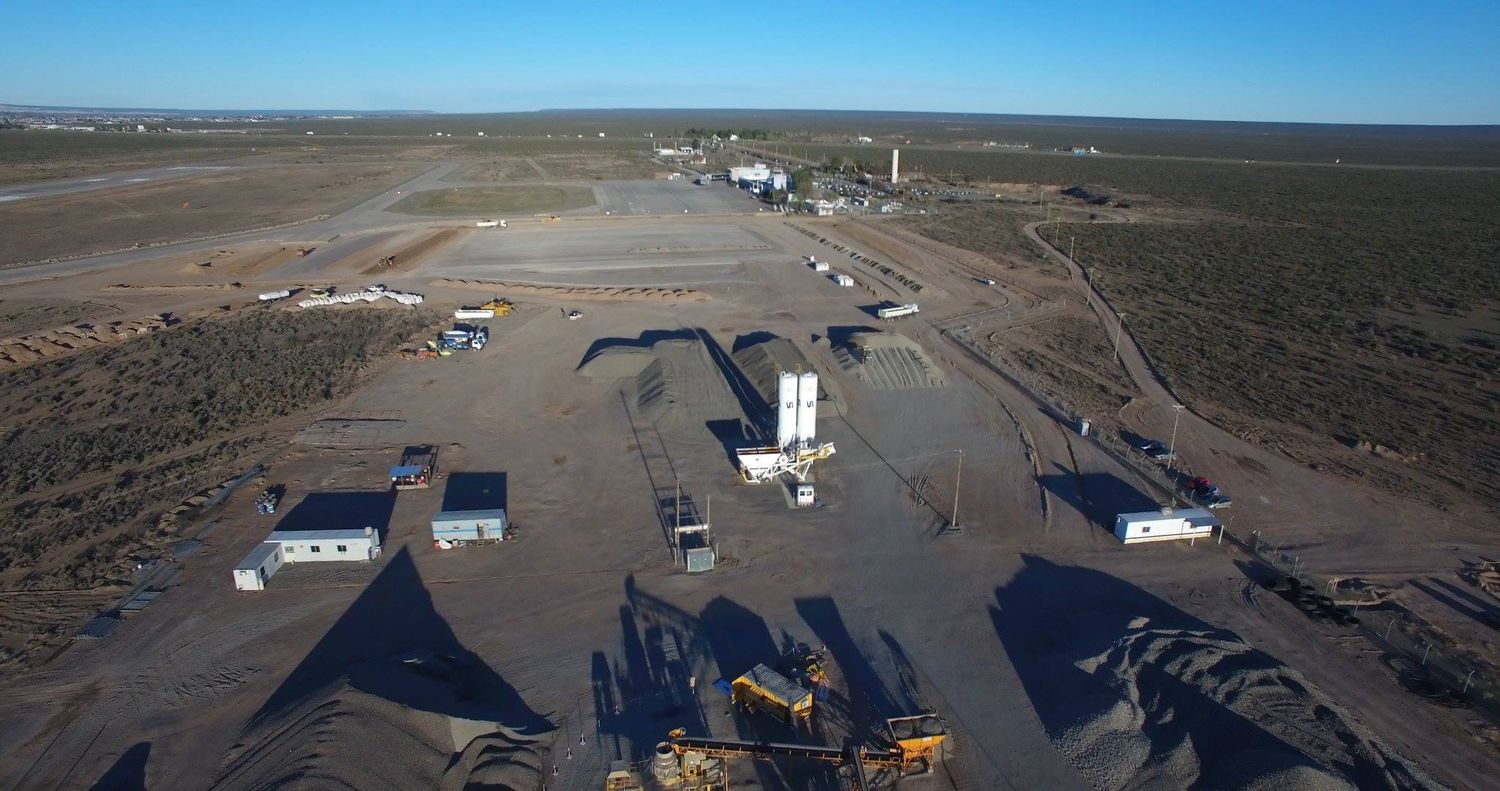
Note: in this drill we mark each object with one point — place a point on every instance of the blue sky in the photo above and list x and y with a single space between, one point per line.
1321 61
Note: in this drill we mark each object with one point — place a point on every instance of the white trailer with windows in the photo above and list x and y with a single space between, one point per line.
897 311
305 546
1164 525
457 528
257 568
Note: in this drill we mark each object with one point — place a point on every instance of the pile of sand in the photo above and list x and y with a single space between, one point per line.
617 363
642 293
1202 708
886 361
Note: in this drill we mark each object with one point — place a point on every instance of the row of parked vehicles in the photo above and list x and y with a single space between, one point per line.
1199 489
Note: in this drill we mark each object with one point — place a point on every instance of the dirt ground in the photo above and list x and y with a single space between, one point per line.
497 200
216 202
1057 657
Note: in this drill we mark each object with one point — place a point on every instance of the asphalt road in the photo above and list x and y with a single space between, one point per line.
51 189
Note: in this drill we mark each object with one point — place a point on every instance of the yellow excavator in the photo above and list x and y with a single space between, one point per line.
502 307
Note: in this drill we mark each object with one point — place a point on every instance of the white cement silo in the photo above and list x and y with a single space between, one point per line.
807 408
786 409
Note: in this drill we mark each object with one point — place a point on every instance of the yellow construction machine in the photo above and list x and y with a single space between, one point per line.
502 307
915 743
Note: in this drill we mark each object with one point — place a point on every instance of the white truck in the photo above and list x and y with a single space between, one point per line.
897 311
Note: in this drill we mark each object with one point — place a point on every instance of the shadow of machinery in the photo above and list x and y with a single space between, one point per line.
651 687
871 701
474 491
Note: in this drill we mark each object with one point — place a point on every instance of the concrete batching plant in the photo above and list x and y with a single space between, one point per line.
796 445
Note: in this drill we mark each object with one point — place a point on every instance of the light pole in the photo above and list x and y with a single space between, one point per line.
1118 327
1172 444
957 478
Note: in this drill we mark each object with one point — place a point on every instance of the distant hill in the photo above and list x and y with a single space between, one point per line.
179 113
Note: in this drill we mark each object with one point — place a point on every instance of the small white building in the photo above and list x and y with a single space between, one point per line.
820 266
843 280
1165 525
256 569
303 546
760 171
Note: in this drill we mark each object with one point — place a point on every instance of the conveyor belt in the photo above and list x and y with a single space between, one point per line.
729 748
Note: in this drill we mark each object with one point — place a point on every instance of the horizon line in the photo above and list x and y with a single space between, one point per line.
393 112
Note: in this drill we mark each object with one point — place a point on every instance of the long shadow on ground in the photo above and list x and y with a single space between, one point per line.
128 772
393 643
871 701
645 341
1099 496
350 510
474 491
649 688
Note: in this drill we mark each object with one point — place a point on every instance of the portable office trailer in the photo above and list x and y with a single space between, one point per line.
258 567
1164 525
306 546
465 527
843 280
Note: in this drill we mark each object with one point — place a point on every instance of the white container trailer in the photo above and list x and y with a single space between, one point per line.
468 527
305 546
1164 525
473 313
843 280
274 295
258 567
897 311
820 266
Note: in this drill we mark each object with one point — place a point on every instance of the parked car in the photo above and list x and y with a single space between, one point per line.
1218 501
1155 449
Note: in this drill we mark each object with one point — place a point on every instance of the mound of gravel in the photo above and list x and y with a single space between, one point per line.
683 388
884 361
1203 708
763 362
402 722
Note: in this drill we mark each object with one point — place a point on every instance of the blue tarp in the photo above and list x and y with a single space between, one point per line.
406 471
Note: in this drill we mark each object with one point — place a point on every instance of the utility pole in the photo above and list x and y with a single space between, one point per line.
1071 240
957 479
1118 327
1172 445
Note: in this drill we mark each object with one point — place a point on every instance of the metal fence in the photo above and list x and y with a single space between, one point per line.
1425 659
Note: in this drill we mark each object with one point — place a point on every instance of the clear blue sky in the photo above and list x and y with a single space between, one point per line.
1358 62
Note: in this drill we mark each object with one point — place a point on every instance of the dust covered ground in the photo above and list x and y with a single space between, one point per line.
1179 666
